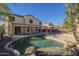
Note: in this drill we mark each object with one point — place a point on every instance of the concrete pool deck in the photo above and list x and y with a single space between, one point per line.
63 38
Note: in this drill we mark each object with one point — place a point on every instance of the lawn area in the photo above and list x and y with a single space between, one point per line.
22 44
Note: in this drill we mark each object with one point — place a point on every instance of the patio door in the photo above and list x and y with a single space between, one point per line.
17 30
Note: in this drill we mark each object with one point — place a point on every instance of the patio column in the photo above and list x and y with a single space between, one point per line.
30 29
21 30
10 30
50 31
46 32
25 29
34 29
38 29
13 30
41 29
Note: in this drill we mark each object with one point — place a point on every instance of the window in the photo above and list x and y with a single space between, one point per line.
12 18
40 23
30 21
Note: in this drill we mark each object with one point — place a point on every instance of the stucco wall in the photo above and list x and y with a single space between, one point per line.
46 25
35 21
19 20
6 27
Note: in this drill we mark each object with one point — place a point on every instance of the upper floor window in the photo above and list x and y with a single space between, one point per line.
30 21
12 18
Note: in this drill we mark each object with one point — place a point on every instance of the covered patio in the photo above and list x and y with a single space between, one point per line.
25 29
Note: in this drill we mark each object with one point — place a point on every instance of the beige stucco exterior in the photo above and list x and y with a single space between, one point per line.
47 25
19 20
35 21
24 26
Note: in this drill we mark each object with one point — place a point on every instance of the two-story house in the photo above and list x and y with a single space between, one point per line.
21 25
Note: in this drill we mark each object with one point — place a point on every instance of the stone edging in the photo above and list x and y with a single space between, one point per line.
16 52
11 49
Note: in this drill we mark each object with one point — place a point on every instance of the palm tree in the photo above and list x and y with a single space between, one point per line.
3 12
72 13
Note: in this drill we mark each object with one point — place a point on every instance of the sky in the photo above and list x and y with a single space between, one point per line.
46 12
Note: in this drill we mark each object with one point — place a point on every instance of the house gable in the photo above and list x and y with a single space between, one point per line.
30 18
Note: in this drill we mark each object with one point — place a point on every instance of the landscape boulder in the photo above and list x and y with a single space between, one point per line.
50 51
30 51
17 53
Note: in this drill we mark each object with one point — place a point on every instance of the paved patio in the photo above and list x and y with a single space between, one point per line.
63 38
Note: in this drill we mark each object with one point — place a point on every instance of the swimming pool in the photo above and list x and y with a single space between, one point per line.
41 43
22 44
